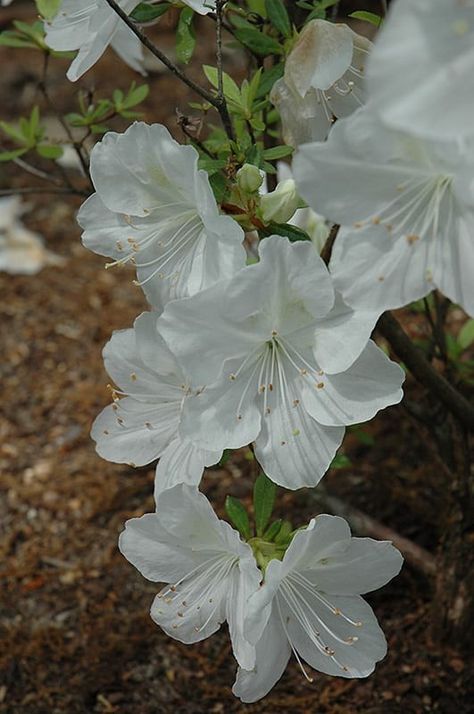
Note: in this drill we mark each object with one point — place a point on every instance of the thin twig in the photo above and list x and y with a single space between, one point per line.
43 189
363 524
423 371
76 145
33 170
210 98
220 72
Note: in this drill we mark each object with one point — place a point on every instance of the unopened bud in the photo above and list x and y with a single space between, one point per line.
280 205
249 178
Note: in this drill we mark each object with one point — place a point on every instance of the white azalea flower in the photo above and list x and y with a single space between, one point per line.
155 209
22 252
310 604
143 425
419 76
323 79
285 362
210 572
410 203
90 26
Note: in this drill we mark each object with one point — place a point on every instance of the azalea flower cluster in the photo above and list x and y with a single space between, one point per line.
274 349
233 354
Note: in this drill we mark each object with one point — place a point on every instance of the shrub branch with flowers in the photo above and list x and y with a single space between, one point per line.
265 283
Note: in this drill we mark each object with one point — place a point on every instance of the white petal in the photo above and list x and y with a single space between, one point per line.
374 270
423 60
195 611
128 47
370 384
245 582
133 432
340 337
453 268
303 119
226 414
182 462
321 55
358 658
144 169
365 565
325 536
189 518
150 549
272 655
356 159
293 449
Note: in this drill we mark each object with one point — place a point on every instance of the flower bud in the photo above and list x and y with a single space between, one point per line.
280 205
249 178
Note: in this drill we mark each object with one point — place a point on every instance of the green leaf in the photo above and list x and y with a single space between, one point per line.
466 335
48 8
185 36
273 530
145 12
238 516
277 152
231 90
278 16
284 229
268 79
367 16
135 95
211 166
264 493
10 155
49 151
219 186
258 43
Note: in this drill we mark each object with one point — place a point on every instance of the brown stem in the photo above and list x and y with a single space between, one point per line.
328 246
423 371
207 96
363 524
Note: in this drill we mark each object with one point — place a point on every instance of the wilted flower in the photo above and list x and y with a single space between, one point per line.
419 76
22 252
323 79
409 203
155 209
310 604
210 572
285 362
143 422
90 26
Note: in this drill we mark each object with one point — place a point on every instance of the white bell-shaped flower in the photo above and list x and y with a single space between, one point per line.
420 74
155 209
143 422
310 604
210 573
408 205
323 79
286 363
90 26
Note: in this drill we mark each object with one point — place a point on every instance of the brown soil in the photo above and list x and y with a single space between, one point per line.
74 625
